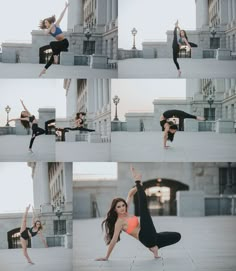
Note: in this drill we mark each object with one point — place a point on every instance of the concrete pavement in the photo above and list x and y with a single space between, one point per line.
165 68
82 152
23 70
50 259
186 147
207 244
14 148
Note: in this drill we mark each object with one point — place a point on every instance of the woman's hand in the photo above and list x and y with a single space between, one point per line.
66 5
136 176
42 72
102 259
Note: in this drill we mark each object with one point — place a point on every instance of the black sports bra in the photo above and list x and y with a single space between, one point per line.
31 118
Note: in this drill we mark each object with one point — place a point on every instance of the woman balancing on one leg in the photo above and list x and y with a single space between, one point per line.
27 233
169 127
52 27
29 121
79 125
177 43
118 219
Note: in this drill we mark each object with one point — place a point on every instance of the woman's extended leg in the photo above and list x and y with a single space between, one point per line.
175 47
24 247
36 132
147 234
23 223
164 239
47 124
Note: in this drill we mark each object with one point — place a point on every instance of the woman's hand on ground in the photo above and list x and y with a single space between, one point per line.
101 259
42 72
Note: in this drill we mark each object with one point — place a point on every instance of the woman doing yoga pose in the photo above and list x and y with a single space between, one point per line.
61 44
118 220
177 43
27 233
78 123
28 120
170 127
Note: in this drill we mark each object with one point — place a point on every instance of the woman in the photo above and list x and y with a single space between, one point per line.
78 123
27 233
176 45
118 220
170 127
28 120
52 27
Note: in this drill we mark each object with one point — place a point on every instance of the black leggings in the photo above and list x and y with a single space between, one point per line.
178 114
36 131
175 47
57 47
147 234
74 129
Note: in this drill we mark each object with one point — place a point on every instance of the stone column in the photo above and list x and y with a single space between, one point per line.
229 11
41 187
201 13
71 98
227 84
99 94
105 92
233 10
114 9
75 14
95 95
67 176
109 3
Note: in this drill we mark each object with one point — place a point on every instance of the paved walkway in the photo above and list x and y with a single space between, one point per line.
207 244
82 152
165 68
23 70
187 147
50 259
14 148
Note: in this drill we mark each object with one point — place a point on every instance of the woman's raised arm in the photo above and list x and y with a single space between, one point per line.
62 14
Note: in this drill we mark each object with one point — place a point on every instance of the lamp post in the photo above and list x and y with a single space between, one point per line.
134 33
116 100
58 214
213 33
210 101
88 35
7 109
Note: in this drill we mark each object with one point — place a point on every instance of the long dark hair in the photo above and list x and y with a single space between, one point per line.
173 126
25 123
78 115
51 20
185 34
110 221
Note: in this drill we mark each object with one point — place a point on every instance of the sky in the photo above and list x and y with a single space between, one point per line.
36 93
137 95
19 18
16 187
152 18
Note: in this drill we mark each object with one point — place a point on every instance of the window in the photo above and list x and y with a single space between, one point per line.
59 227
209 113
227 174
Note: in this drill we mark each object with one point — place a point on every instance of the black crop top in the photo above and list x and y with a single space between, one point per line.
31 118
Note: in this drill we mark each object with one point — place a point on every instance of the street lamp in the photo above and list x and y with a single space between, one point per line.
116 100
58 214
88 35
213 33
7 109
134 33
210 101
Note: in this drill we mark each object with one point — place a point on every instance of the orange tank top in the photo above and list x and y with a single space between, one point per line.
132 224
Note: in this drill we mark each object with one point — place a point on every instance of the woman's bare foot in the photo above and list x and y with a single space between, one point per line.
42 72
179 73
200 118
154 250
30 262
177 23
